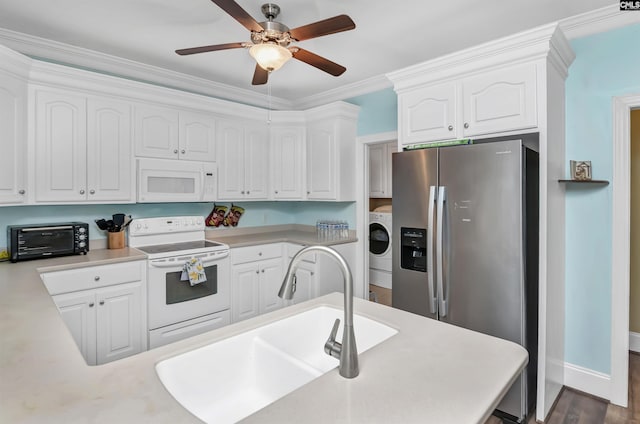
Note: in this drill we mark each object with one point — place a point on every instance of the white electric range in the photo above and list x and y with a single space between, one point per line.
178 309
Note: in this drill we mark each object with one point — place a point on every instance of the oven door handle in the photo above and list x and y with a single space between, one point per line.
163 263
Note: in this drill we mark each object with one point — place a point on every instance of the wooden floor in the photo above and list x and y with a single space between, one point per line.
574 407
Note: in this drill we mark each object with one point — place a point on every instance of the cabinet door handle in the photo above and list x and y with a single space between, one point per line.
312 273
91 305
276 191
308 192
257 271
247 191
102 302
81 191
259 253
242 192
263 271
182 151
466 125
21 192
96 278
450 128
92 192
175 151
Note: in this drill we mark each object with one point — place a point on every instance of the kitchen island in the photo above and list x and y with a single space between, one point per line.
430 372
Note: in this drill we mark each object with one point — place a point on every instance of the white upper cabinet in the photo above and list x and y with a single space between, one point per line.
492 102
82 148
243 157
380 172
170 133
429 113
287 162
13 139
110 176
156 132
197 137
331 142
500 101
60 147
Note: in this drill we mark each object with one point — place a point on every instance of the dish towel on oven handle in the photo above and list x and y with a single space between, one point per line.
193 271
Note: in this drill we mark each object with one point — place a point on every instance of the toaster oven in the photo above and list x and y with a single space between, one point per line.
47 240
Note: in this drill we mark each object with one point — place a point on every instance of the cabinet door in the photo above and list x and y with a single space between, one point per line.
60 147
197 137
78 311
305 284
428 114
156 132
270 281
256 164
287 177
109 158
377 170
321 161
13 135
119 326
500 101
230 153
245 291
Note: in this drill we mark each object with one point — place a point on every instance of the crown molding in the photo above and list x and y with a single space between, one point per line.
598 20
41 48
348 91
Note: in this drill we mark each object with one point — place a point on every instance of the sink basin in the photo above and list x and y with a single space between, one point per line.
233 378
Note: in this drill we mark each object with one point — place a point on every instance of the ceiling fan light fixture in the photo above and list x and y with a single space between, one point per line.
270 56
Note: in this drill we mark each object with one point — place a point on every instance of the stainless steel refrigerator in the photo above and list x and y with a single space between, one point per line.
465 244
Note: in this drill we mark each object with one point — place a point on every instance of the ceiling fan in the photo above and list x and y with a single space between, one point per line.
270 40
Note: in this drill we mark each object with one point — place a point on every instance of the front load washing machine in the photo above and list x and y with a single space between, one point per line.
380 249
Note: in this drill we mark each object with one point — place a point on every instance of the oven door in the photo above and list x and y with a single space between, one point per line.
172 300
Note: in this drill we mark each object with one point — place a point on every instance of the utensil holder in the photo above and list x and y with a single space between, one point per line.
115 240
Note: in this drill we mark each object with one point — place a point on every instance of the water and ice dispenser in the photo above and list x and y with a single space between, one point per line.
413 249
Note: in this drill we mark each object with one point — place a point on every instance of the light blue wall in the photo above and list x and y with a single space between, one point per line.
606 65
378 111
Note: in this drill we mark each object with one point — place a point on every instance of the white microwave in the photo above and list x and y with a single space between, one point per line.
167 180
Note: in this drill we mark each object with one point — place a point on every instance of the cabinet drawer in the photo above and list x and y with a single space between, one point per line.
240 255
292 249
93 277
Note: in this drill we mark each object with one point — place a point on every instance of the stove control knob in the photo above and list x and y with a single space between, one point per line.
138 226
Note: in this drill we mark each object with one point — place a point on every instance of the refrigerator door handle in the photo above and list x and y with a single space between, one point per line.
439 251
433 300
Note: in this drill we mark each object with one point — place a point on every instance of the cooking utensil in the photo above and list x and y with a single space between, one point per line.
127 221
110 225
102 224
118 219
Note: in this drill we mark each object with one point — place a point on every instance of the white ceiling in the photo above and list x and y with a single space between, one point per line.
388 35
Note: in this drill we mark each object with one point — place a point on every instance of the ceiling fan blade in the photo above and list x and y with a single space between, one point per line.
212 48
260 76
239 14
325 27
318 62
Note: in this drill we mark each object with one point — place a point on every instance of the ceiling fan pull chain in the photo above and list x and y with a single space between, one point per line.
269 101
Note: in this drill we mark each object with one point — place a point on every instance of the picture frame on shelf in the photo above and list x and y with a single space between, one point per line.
580 170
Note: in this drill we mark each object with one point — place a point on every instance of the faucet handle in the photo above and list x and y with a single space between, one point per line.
332 347
295 284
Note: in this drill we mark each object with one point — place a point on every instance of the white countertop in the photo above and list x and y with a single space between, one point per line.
430 372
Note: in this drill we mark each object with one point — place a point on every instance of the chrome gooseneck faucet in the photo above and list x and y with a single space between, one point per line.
345 351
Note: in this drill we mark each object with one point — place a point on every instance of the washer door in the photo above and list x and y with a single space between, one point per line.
379 240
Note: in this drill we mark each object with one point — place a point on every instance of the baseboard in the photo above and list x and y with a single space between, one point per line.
634 341
588 381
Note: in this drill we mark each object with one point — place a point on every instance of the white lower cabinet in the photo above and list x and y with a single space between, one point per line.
108 319
256 275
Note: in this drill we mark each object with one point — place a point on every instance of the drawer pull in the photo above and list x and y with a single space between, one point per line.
102 302
96 278
91 305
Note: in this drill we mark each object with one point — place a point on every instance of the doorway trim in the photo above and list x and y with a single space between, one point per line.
362 201
620 247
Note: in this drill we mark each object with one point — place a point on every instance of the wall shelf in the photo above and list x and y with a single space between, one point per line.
594 182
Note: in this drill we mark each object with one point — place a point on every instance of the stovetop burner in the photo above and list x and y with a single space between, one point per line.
177 248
